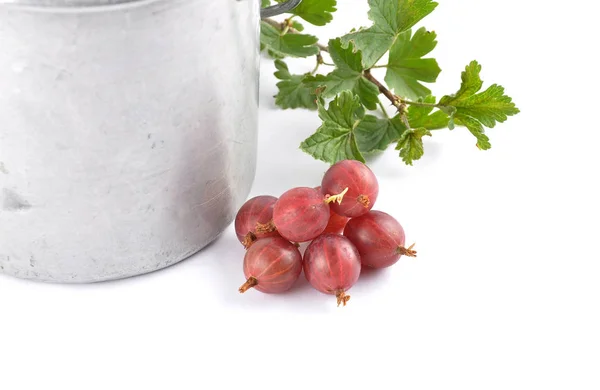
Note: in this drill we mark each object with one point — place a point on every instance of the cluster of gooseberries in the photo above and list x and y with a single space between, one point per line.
345 234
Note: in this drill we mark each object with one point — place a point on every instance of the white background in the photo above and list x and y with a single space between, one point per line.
505 293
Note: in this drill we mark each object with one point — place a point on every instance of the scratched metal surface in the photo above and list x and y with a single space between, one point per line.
127 134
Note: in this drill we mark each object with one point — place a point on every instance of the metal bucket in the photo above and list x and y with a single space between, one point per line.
128 131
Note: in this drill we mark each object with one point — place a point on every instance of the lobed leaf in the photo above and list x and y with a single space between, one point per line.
317 12
390 19
373 133
345 110
410 144
292 92
297 26
292 45
475 109
348 76
406 67
423 117
335 139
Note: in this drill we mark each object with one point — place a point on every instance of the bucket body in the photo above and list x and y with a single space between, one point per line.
128 132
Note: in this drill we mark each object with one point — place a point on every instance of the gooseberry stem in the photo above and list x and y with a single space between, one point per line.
249 240
263 228
336 198
364 200
251 282
342 298
407 251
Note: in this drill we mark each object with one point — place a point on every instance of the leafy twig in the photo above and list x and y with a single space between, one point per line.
395 100
348 129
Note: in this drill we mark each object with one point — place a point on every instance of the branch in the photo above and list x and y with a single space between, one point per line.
395 100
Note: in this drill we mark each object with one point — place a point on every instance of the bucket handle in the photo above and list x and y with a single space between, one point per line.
279 8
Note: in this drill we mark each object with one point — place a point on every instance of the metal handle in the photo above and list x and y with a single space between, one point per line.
279 8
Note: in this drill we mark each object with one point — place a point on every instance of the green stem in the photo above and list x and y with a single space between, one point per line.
378 66
404 117
287 25
419 104
396 100
319 62
315 69
385 113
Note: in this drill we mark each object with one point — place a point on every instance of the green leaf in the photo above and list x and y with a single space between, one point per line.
265 3
422 116
368 93
373 133
345 110
483 141
292 92
348 58
449 110
390 19
317 12
410 144
476 109
297 25
406 67
332 144
348 76
335 139
377 134
275 55
292 45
